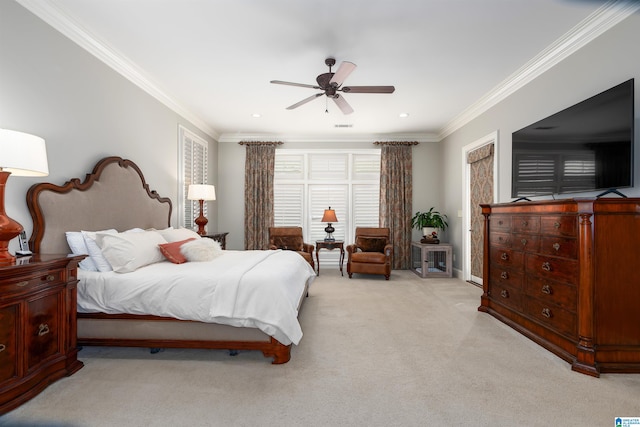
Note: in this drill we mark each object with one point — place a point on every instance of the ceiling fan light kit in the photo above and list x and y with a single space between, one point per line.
331 83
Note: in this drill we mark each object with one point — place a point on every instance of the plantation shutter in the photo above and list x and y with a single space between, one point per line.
194 154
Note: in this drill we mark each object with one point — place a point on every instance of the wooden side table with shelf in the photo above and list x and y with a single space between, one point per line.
330 245
431 260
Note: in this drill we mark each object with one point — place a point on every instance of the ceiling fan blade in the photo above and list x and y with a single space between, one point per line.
304 101
343 104
280 82
343 72
368 89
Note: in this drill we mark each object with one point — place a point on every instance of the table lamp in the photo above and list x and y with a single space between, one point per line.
329 216
201 192
21 154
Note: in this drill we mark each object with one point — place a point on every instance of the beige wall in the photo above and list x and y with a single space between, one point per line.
607 61
84 110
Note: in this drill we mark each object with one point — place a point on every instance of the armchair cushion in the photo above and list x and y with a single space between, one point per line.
371 244
292 243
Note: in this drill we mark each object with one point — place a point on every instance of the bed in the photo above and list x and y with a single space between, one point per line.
116 197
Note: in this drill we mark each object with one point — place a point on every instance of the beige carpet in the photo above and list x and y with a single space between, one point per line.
407 352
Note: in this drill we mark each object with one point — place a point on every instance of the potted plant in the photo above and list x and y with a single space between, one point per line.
429 222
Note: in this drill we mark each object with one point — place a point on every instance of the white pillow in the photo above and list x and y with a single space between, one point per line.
177 234
127 252
76 243
201 250
94 250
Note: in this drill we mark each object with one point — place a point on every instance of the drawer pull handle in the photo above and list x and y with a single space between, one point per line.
504 275
500 222
546 289
43 329
22 284
556 246
504 256
547 313
524 242
500 238
546 266
504 293
2 347
50 278
525 223
556 224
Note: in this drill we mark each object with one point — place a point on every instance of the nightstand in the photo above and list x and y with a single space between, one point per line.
37 325
330 245
219 237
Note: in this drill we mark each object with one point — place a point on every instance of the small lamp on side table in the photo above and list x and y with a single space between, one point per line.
329 216
201 192
21 154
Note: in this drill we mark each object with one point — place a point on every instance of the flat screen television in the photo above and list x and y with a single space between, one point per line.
586 147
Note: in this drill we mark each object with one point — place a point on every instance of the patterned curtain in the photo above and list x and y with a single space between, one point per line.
481 191
258 193
396 193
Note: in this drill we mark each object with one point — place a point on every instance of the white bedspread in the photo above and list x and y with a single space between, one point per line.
258 289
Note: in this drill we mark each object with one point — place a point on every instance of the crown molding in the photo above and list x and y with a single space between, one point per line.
420 137
55 16
600 21
603 19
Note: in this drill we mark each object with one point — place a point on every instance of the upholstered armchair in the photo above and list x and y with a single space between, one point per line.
290 238
371 253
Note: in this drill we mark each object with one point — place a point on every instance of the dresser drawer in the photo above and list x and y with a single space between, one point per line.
559 246
560 225
551 316
526 242
507 258
500 223
560 294
506 276
560 269
506 295
498 238
525 224
31 282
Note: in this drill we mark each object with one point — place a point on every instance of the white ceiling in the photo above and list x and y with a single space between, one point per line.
212 60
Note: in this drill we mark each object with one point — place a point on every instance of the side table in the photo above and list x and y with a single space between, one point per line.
219 237
431 260
330 245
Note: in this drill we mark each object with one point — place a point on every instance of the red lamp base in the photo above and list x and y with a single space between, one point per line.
9 228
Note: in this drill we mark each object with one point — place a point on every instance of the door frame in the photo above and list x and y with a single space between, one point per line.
493 137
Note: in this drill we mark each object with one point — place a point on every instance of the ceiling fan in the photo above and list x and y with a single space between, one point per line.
331 83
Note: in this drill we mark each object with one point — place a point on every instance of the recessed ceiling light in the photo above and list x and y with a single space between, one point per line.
256 115
403 115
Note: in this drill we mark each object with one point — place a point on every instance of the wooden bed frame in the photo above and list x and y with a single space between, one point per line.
115 195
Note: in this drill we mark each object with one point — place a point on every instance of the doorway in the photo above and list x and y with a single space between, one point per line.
480 166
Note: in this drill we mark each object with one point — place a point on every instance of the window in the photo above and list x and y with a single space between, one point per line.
193 170
307 182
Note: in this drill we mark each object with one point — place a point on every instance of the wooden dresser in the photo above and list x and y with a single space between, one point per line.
37 325
566 273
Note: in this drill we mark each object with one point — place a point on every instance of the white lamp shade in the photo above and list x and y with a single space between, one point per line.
201 192
23 154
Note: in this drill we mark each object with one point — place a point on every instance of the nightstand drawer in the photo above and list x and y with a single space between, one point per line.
8 343
43 328
31 282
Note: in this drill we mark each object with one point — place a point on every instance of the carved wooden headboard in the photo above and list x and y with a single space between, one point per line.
114 195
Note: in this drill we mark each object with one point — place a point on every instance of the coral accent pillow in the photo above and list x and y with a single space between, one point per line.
171 251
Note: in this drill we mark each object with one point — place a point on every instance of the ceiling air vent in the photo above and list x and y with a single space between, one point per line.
343 126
